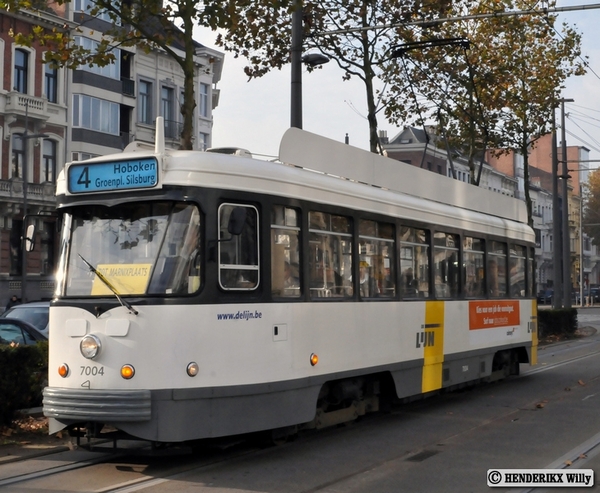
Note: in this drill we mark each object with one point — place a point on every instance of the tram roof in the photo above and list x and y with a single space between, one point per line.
311 151
428 195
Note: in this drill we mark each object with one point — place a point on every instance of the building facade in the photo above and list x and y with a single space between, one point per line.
51 115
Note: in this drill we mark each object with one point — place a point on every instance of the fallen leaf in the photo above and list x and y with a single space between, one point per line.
567 389
581 382
582 456
540 405
568 462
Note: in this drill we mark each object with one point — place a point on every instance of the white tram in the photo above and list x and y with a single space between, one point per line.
202 295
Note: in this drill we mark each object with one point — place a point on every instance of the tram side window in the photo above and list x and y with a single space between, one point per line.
445 254
238 253
474 266
330 255
497 269
516 273
530 273
285 252
376 242
414 262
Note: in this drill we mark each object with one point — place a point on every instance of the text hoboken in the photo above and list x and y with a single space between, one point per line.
134 167
240 315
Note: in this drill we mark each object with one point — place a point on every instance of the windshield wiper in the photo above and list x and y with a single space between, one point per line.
123 302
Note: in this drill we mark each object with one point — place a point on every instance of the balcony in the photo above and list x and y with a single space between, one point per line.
173 129
128 86
11 191
18 104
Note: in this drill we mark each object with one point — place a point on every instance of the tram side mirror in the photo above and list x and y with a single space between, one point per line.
237 220
235 226
30 238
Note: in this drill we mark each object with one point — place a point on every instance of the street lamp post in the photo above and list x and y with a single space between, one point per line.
296 61
25 137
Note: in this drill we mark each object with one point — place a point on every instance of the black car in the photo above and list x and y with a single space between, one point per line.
36 313
19 332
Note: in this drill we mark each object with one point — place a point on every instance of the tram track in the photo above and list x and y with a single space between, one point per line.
128 458
28 476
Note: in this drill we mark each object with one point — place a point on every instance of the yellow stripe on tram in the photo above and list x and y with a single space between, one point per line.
433 352
533 327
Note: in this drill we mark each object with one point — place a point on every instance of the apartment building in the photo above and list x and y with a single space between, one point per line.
50 116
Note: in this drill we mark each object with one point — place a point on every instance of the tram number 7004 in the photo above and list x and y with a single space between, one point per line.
92 370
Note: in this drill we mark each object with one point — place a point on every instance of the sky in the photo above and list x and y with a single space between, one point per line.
255 114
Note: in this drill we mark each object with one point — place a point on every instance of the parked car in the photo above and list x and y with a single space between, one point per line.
35 313
19 332
544 297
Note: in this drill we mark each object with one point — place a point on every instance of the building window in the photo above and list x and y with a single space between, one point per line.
112 70
145 102
167 111
18 156
204 91
48 161
15 242
95 114
51 83
21 70
181 104
82 156
87 5
203 141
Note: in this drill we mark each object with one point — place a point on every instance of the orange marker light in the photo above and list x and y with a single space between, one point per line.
127 372
314 359
63 370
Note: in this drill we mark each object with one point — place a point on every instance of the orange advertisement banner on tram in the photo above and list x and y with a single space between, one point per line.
493 314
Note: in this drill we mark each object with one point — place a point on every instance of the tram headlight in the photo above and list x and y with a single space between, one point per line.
90 346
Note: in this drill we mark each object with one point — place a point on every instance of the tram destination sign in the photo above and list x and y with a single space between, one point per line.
116 175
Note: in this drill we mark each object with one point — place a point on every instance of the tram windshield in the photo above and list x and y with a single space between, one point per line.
140 248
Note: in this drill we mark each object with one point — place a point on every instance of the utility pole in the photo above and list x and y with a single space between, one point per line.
556 229
567 284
